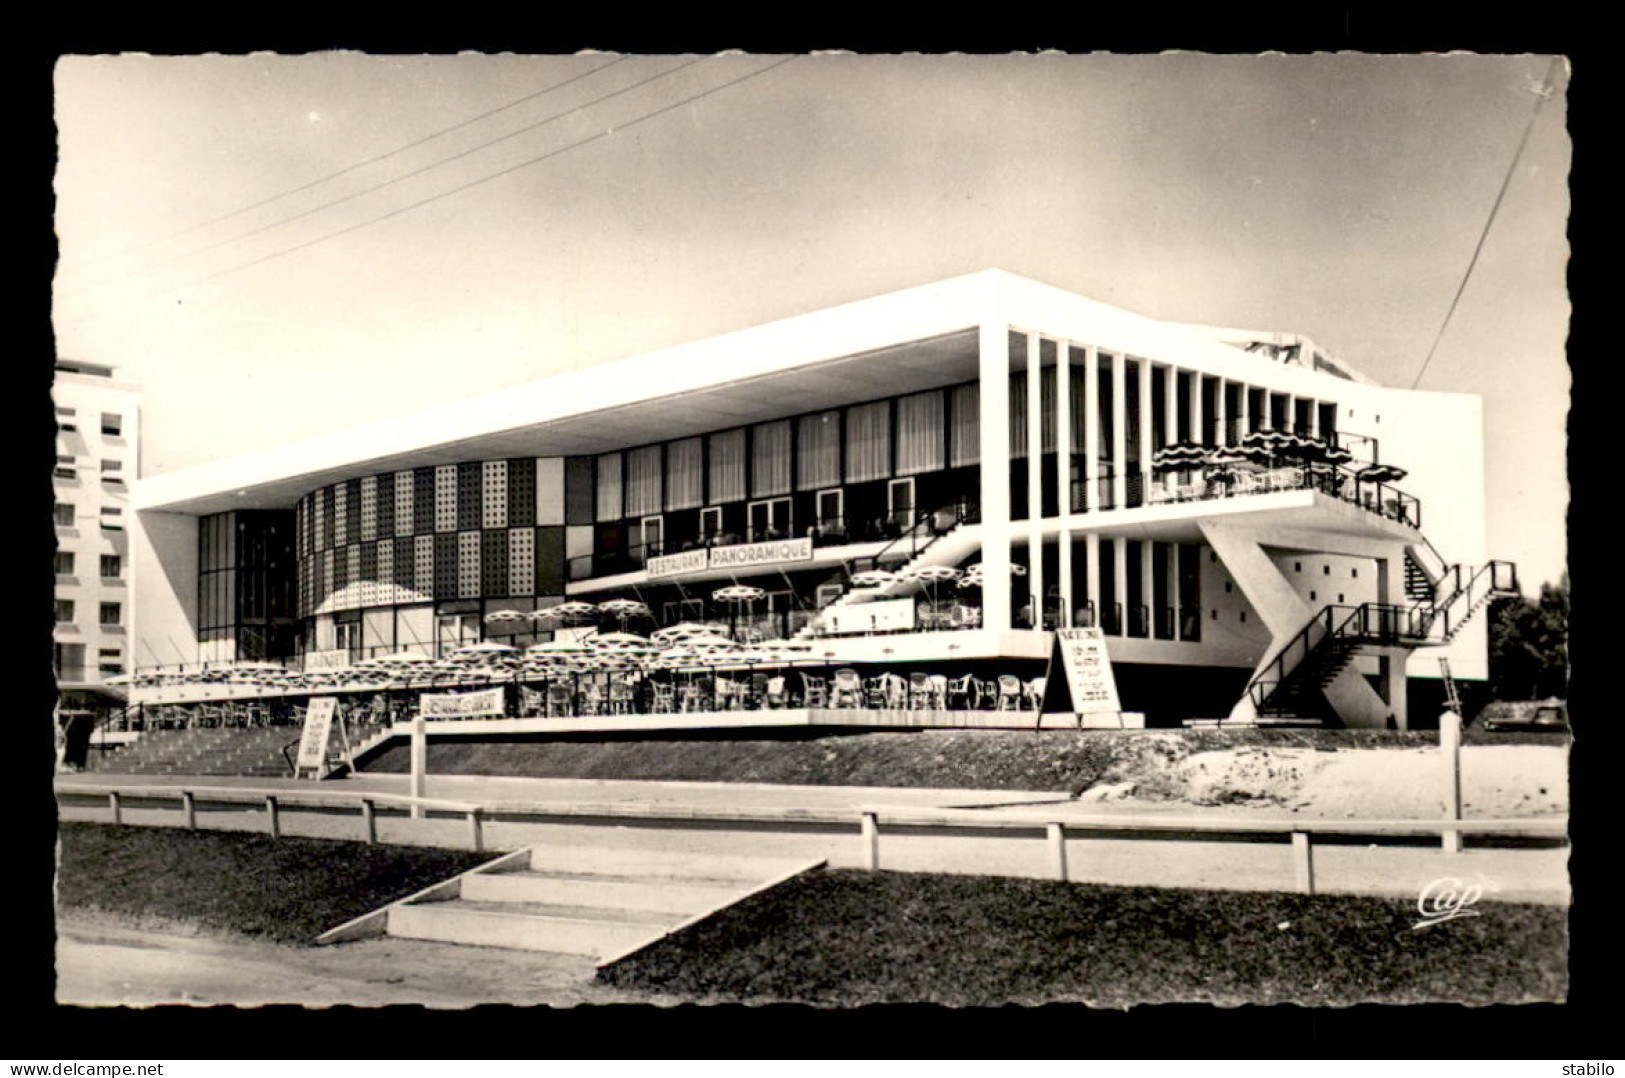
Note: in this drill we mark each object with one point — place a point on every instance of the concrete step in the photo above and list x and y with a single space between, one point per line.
627 893
650 863
575 930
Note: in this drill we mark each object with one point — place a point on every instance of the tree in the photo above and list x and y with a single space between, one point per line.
1529 645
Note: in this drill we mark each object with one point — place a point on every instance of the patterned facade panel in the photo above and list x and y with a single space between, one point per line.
521 492
522 561
386 569
494 494
550 492
352 575
468 564
445 565
469 505
405 576
494 562
423 564
369 508
423 503
341 515
386 505
445 498
318 522
371 592
328 563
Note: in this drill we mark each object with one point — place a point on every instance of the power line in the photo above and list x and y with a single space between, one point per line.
426 168
486 179
1541 94
381 157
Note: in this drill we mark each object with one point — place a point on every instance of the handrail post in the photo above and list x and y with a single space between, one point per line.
370 820
1056 833
1303 862
189 807
871 841
1450 750
273 817
116 805
475 830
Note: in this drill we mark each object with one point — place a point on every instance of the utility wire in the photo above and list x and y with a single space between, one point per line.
485 179
1544 92
381 157
426 168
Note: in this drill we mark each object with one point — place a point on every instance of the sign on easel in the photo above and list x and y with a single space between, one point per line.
317 737
1079 680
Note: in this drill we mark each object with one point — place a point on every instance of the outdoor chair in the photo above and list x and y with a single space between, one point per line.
560 701
919 692
593 700
1035 692
758 691
966 690
620 697
937 690
847 690
774 693
665 697
1010 690
813 692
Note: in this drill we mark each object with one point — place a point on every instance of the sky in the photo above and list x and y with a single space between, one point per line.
274 247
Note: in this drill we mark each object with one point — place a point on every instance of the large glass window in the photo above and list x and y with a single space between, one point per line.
64 611
921 433
868 442
818 451
112 566
685 474
64 515
609 487
643 481
770 459
111 614
64 562
727 466
965 432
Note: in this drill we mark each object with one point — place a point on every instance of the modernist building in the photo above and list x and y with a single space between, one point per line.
98 421
986 419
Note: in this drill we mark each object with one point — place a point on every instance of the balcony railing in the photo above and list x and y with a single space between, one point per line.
1214 483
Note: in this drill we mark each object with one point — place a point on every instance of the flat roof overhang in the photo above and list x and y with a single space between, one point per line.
1287 513
905 341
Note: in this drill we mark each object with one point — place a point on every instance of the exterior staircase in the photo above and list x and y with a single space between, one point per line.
1293 682
595 902
919 546
254 751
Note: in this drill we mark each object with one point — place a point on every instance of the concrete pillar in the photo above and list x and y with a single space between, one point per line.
1092 573
1145 430
1148 590
1091 441
1120 581
1197 433
1244 408
1221 411
1035 478
1391 670
994 375
1171 582
1063 473
1119 432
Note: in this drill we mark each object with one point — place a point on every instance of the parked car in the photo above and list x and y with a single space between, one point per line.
1540 716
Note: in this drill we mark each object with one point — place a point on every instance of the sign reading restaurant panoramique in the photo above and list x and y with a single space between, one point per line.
738 556
1088 686
447 705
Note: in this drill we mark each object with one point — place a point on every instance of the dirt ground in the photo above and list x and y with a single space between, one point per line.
102 962
1497 781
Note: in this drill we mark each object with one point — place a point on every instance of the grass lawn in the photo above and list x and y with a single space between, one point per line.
1060 760
287 890
851 938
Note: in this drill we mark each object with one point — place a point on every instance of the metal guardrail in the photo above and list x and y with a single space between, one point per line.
275 800
869 821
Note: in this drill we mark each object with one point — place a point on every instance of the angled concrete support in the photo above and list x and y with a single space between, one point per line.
1285 614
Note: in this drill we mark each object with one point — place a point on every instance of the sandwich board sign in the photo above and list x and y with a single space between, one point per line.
316 739
1079 679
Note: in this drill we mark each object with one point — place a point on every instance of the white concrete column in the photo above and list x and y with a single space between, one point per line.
1063 473
1171 583
1243 409
1391 668
1119 425
1170 405
1314 419
1091 440
1148 589
1091 585
1035 477
994 406
1120 581
1196 411
1292 413
1145 431
1220 411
